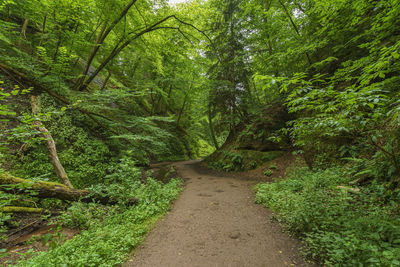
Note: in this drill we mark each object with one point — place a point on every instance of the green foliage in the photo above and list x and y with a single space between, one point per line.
109 239
122 184
268 172
84 158
240 160
340 227
83 215
273 167
230 161
3 219
22 132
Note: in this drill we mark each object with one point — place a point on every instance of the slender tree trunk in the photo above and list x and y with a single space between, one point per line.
94 50
270 48
152 101
73 39
51 145
43 29
210 116
57 46
182 109
103 34
294 27
117 49
59 36
106 81
23 31
167 107
12 73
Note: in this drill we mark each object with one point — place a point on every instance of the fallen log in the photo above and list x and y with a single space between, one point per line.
42 189
12 209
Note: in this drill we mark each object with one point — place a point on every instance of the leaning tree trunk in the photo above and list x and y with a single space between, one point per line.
23 31
51 145
42 189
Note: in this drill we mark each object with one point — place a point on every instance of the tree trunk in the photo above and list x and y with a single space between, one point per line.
42 189
51 145
210 116
104 32
51 190
12 209
43 29
294 27
31 81
106 81
23 31
117 49
182 109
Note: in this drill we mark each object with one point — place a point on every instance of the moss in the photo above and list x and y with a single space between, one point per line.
22 210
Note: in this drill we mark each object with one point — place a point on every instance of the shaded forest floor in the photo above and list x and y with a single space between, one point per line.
216 223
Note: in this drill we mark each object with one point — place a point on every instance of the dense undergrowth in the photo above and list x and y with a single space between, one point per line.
341 225
109 233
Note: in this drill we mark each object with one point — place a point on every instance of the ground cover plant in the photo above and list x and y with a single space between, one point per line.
110 233
341 225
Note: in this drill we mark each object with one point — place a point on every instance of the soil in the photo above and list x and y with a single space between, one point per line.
216 223
26 245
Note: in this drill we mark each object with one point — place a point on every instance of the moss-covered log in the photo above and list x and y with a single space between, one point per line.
50 190
11 209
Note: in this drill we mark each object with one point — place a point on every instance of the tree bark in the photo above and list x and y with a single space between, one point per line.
182 109
51 190
28 80
42 189
51 145
210 116
106 81
117 49
12 209
23 31
294 27
104 32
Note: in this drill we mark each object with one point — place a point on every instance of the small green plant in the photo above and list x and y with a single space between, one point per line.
268 172
53 240
273 167
82 215
253 165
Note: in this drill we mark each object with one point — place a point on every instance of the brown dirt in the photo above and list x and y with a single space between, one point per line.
282 164
26 243
216 223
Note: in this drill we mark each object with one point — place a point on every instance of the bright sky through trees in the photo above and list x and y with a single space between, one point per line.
174 2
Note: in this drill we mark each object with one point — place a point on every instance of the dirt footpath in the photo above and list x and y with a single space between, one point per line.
216 223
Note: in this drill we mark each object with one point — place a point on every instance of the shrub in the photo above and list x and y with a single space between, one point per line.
339 227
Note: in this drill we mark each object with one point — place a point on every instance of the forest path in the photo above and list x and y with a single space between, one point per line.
216 223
